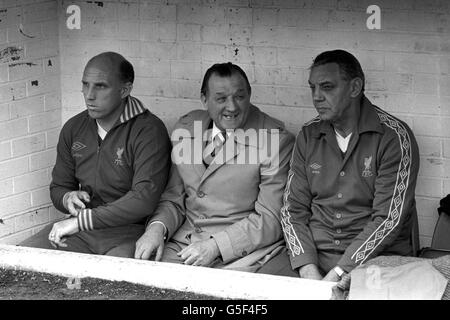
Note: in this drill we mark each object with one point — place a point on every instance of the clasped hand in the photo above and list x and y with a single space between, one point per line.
200 253
73 201
61 230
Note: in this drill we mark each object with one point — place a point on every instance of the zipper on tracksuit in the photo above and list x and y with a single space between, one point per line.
97 161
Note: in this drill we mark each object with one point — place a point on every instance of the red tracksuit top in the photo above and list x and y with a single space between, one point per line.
124 176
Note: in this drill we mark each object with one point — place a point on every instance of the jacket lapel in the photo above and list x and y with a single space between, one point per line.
229 151
194 137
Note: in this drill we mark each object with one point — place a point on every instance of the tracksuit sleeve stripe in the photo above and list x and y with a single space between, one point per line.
289 232
396 207
85 220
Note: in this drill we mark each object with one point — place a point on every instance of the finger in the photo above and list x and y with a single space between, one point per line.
190 260
180 253
57 239
197 263
184 254
145 254
184 251
138 252
84 195
159 253
62 243
72 210
51 235
53 244
77 202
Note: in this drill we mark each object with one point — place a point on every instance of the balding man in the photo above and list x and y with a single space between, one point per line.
112 165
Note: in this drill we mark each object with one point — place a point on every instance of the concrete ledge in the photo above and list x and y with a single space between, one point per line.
214 282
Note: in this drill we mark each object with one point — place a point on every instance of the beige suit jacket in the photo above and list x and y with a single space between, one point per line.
237 198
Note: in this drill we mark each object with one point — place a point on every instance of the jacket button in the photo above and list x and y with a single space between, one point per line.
200 194
339 195
337 242
202 217
342 173
338 215
338 230
244 253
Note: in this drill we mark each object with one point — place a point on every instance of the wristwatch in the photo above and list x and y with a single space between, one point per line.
339 271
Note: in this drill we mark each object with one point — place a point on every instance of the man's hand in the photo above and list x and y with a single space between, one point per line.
151 240
332 276
73 201
310 271
60 230
201 253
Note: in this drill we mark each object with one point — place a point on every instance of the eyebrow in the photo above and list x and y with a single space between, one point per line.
321 83
96 83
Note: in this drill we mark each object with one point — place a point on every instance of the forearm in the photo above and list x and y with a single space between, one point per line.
296 211
131 208
170 209
393 203
170 215
57 196
247 235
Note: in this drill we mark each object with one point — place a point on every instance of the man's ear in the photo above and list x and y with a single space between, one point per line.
125 91
356 87
203 100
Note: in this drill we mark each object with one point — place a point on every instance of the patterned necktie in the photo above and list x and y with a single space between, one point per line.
213 147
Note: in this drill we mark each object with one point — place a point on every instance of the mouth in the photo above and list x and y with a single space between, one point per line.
321 109
230 116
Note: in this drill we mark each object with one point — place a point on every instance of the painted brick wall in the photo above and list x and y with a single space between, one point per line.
30 115
172 42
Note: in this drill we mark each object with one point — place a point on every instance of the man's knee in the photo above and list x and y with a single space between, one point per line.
170 253
125 250
39 240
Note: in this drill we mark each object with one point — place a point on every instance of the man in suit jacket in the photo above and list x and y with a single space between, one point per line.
221 207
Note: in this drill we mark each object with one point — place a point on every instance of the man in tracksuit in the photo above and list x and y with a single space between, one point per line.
350 190
112 165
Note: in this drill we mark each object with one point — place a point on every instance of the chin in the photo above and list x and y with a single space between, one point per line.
325 116
231 125
94 115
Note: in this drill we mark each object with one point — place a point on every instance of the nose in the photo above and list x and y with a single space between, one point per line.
89 93
231 105
317 94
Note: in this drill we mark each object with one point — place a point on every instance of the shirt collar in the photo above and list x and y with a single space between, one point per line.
368 120
101 132
133 108
215 131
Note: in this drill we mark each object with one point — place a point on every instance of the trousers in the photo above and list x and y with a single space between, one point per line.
279 265
117 241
